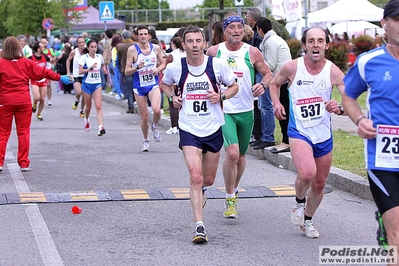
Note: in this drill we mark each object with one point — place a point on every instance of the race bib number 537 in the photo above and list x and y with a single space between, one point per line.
310 111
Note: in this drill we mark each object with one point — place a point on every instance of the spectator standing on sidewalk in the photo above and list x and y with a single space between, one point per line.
311 79
15 101
377 73
201 115
126 80
252 16
276 53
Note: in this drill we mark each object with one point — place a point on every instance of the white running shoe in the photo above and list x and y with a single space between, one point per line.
309 230
297 215
156 132
146 145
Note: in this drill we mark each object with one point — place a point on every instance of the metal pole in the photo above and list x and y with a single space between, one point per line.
306 14
159 11
105 25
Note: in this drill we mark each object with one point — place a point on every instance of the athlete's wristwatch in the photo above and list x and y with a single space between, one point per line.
222 97
137 67
91 68
341 109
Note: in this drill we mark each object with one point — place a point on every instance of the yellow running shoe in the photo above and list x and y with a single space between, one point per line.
75 105
39 117
231 210
82 114
34 107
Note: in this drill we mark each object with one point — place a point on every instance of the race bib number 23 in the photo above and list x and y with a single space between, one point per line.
387 148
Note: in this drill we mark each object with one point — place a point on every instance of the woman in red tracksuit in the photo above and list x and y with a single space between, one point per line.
15 102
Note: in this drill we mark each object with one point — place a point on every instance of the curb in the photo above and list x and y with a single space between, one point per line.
337 178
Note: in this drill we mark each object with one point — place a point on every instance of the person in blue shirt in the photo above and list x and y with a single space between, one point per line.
377 73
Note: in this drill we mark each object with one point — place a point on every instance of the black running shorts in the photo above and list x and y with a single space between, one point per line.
384 187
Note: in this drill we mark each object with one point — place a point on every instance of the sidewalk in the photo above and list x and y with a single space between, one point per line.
337 178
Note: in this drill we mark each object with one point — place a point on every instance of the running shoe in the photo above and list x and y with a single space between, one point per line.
39 117
82 114
200 235
87 126
204 198
381 233
155 131
169 131
1 168
146 145
75 105
297 215
172 131
25 169
309 230
231 210
49 103
101 131
34 107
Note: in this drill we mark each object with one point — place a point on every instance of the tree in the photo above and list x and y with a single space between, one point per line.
18 17
226 3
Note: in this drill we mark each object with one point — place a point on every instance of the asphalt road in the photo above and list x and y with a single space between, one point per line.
70 164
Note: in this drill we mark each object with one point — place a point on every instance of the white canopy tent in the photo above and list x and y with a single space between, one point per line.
347 10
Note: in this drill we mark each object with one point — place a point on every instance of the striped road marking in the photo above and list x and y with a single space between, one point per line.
25 196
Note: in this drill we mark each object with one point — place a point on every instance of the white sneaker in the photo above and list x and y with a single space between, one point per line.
172 130
1 168
162 111
146 145
297 215
49 103
156 132
309 230
117 97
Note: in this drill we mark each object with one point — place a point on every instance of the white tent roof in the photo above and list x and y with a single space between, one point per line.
347 10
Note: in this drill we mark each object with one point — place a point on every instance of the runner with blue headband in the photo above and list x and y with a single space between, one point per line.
232 19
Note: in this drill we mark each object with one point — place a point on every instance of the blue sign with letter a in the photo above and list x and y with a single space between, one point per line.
107 11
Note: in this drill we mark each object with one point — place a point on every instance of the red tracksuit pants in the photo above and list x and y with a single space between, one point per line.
23 118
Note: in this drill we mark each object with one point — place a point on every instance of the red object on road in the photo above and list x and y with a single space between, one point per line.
76 210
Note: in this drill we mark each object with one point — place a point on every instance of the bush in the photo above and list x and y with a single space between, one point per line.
280 29
295 47
363 43
338 54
